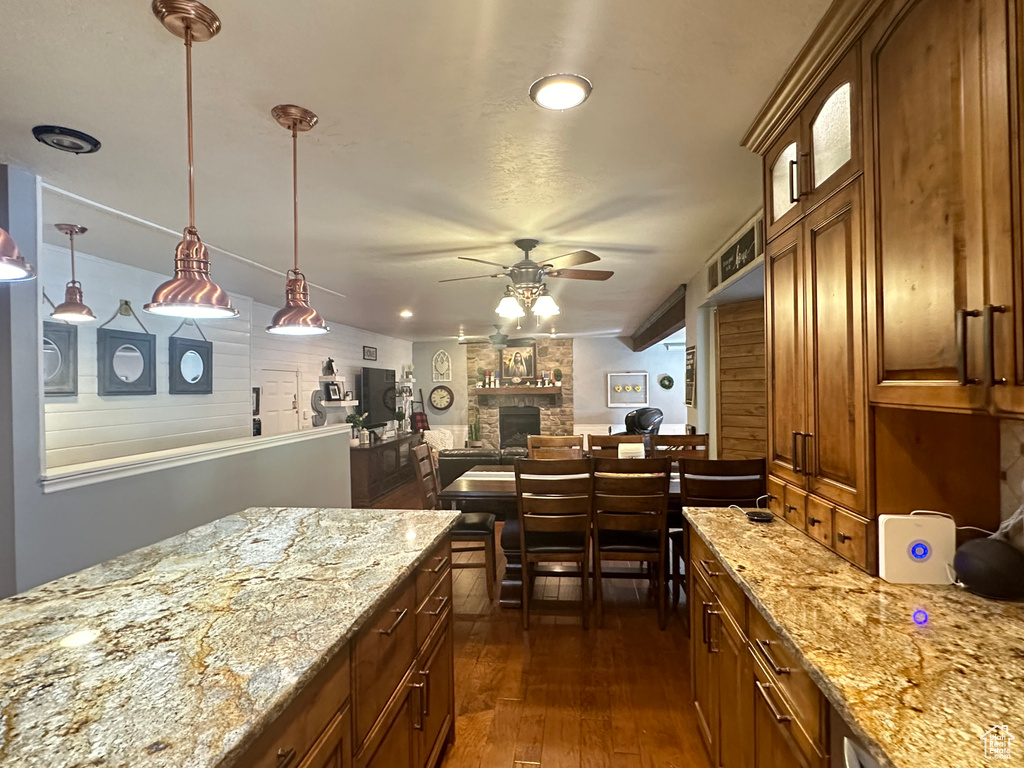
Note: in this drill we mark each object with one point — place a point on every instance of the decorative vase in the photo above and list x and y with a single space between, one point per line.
354 442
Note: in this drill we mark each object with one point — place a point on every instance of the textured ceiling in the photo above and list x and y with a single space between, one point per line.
428 146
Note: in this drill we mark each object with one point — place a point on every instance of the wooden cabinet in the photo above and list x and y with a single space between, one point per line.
935 75
774 745
334 747
703 669
436 676
734 681
379 468
393 746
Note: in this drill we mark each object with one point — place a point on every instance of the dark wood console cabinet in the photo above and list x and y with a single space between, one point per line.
379 468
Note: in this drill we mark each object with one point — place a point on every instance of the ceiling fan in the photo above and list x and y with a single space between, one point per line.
529 274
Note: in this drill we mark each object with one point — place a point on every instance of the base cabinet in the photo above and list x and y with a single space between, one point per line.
774 746
394 749
334 747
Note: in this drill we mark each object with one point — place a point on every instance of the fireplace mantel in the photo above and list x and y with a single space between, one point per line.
517 391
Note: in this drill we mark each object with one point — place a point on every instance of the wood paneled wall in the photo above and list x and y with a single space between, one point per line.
741 380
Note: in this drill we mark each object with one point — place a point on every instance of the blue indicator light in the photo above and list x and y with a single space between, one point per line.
919 550
920 617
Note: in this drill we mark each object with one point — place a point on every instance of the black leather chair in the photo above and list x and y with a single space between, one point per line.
453 463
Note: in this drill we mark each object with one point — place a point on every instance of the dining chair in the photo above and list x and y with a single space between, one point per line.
713 483
473 528
631 520
554 497
608 445
680 446
555 447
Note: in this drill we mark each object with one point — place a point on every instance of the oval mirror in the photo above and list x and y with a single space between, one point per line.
128 363
52 360
191 366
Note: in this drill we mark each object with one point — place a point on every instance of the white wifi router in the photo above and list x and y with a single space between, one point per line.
917 548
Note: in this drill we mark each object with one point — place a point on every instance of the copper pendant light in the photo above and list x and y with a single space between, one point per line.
191 293
13 266
297 317
72 309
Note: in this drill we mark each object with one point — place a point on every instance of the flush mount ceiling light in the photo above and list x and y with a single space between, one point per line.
560 92
191 292
66 139
72 309
297 318
13 266
406 313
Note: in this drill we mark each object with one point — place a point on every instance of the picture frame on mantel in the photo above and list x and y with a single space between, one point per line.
370 353
519 361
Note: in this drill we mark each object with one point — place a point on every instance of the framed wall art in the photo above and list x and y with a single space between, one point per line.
628 390
370 353
441 367
190 366
519 361
60 359
691 376
125 362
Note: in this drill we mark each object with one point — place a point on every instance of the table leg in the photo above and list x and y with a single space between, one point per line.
512 582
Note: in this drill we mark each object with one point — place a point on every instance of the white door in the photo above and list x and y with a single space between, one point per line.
279 401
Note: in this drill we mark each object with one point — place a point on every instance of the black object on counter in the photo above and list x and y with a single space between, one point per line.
991 568
759 516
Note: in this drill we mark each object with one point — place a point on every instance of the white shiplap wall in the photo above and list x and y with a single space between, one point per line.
307 356
89 427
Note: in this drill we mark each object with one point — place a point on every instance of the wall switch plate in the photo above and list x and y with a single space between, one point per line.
917 548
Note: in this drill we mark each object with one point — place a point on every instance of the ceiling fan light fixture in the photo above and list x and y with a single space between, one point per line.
13 267
72 309
191 293
560 92
509 306
66 139
545 306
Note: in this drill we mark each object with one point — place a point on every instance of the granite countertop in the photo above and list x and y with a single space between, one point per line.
180 653
919 695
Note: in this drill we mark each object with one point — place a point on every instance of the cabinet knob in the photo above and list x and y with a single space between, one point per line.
842 537
285 757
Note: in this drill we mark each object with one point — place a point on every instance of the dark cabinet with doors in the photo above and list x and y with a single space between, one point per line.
381 467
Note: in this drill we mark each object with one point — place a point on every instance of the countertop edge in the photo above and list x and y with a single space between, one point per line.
824 683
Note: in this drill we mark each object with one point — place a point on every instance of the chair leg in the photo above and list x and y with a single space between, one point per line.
489 565
662 592
676 556
585 579
598 589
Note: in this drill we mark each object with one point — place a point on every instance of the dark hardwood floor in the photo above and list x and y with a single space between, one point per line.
558 696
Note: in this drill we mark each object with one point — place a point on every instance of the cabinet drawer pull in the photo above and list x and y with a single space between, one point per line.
796 454
794 191
961 346
762 646
813 521
390 630
418 723
990 344
285 757
712 646
440 565
842 537
762 688
425 673
803 453
440 607
704 564
705 636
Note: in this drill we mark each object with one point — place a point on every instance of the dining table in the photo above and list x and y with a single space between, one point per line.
492 488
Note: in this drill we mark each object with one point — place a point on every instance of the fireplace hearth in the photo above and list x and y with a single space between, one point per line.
516 424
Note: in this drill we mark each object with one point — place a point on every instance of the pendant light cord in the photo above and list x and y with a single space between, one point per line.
188 109
71 235
295 192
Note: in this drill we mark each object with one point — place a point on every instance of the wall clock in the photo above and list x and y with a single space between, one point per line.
441 398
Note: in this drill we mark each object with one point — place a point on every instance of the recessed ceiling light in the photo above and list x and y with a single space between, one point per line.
405 313
560 92
66 139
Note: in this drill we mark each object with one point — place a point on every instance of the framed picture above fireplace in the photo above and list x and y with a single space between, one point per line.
519 361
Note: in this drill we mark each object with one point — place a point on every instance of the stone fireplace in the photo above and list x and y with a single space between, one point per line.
553 404
516 423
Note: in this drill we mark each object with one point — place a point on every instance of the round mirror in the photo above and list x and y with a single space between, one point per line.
52 360
128 363
191 366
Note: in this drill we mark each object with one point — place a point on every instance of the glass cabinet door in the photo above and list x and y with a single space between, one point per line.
832 131
784 194
831 139
782 181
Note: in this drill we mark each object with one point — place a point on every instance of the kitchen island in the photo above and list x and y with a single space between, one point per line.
254 640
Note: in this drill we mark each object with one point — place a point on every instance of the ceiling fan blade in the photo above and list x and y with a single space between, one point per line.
574 259
582 274
483 261
474 277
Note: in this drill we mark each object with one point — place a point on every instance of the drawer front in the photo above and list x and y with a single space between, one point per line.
818 520
795 512
430 570
726 590
851 537
383 653
798 743
776 496
803 696
432 610
298 728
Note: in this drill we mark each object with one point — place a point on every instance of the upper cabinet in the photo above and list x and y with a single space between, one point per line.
818 152
935 75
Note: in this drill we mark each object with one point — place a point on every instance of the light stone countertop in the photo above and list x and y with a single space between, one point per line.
191 646
920 696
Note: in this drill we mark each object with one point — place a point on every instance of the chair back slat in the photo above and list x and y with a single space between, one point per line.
722 482
427 476
613 521
631 494
680 446
609 444
554 495
552 447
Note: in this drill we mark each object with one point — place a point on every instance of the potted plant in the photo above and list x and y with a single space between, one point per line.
480 375
557 375
474 431
400 420
356 420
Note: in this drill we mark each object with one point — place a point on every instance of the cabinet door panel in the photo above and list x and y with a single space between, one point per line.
785 307
735 679
436 697
703 661
782 173
921 62
395 749
835 448
832 134
774 745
